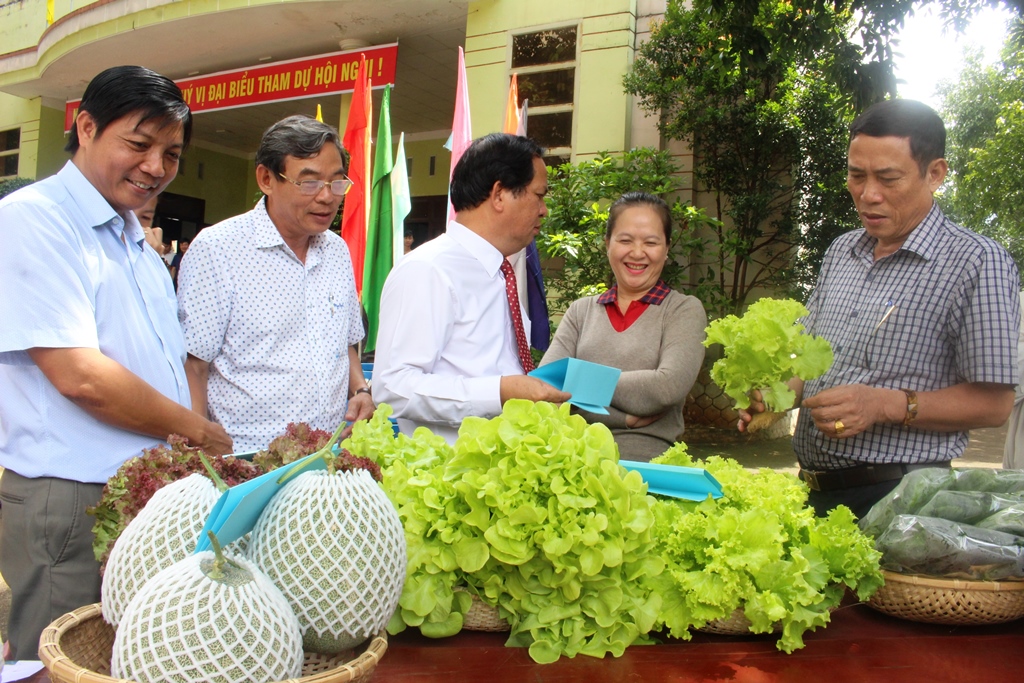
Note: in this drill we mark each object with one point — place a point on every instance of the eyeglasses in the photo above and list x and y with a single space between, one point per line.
339 188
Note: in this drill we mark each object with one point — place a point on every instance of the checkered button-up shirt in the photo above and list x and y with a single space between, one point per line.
942 310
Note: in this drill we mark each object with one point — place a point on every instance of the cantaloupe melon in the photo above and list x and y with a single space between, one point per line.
334 545
198 620
164 532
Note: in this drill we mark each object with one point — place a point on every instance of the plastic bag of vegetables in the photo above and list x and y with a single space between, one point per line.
968 507
914 544
910 495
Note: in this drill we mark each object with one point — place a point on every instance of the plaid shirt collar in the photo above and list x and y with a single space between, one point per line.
923 240
655 295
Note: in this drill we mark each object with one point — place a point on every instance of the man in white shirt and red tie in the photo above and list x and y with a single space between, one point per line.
453 340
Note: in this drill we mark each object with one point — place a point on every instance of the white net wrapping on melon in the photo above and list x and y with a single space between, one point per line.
163 533
335 546
184 627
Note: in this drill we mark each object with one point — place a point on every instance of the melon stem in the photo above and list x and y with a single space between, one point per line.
325 454
217 572
217 481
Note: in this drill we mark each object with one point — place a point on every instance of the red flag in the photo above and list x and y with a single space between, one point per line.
355 216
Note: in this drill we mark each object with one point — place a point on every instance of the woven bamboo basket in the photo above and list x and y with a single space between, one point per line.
949 601
483 617
736 624
76 649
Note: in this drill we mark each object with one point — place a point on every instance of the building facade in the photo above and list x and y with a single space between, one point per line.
569 55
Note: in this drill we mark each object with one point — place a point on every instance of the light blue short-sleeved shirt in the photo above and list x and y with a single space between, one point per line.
275 330
68 280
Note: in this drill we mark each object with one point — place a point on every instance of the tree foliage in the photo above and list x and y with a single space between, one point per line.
984 113
9 185
763 91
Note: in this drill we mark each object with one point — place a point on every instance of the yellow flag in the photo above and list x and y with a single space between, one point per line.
319 114
49 12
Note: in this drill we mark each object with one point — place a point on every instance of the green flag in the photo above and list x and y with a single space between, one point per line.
401 200
379 250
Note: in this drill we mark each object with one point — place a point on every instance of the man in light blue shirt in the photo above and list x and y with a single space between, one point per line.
91 355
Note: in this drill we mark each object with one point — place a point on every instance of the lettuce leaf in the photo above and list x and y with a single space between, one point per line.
763 350
532 512
758 548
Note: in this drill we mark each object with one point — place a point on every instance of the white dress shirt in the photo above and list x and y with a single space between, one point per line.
445 337
275 330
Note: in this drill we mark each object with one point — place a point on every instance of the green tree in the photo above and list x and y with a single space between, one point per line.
764 91
9 185
756 89
984 113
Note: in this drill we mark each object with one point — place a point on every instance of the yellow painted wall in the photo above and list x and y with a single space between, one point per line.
23 24
16 112
41 147
52 156
223 177
602 113
605 38
421 183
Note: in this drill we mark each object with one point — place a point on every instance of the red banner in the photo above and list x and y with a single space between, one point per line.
291 80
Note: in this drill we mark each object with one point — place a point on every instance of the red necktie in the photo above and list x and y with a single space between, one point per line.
512 292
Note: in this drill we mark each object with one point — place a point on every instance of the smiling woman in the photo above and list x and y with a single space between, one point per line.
650 332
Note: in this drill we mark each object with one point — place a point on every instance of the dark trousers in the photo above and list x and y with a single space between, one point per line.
858 498
45 554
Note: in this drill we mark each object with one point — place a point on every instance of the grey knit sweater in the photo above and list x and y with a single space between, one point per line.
659 355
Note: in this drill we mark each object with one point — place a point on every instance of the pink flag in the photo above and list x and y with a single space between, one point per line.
462 133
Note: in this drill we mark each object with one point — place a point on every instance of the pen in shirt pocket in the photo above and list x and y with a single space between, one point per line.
890 306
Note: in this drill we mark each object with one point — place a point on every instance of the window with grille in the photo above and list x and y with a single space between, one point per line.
10 144
545 62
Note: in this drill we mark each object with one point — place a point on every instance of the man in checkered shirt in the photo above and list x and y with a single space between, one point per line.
922 315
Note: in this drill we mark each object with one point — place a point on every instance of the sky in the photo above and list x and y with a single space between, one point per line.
930 55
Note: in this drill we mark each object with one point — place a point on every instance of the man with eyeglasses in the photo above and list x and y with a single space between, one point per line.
267 299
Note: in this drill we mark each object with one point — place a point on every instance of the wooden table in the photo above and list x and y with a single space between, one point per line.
859 646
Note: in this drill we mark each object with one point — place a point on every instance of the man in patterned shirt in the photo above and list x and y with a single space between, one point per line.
267 299
922 316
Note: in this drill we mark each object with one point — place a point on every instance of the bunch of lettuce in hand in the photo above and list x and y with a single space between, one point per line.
759 548
764 349
531 512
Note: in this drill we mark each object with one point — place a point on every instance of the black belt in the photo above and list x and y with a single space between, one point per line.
860 475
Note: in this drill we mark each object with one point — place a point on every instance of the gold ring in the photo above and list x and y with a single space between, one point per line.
840 427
